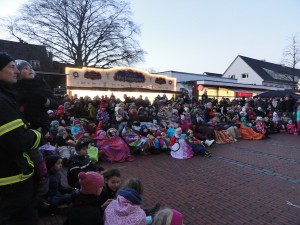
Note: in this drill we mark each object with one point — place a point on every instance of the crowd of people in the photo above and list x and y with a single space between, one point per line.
40 134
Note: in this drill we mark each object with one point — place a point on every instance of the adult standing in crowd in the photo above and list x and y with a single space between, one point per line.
17 195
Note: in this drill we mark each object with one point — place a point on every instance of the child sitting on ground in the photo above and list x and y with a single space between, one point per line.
85 203
168 216
57 194
261 126
291 128
197 146
112 179
65 144
80 161
126 209
179 147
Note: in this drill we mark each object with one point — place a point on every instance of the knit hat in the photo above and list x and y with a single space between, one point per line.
143 127
76 121
90 182
51 160
5 59
178 130
176 218
21 64
259 118
54 123
61 130
83 142
50 111
131 195
102 105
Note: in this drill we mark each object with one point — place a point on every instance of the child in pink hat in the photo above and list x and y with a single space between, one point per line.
85 203
168 216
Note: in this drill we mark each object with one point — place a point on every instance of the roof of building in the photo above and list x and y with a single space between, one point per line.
23 50
213 74
270 71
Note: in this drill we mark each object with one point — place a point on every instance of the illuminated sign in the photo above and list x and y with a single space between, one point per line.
93 75
118 78
129 76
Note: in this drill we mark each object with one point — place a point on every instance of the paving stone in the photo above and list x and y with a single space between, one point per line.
248 182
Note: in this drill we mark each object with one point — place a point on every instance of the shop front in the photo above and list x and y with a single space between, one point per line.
230 90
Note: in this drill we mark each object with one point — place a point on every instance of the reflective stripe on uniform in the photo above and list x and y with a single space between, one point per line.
28 159
19 177
38 139
14 179
10 126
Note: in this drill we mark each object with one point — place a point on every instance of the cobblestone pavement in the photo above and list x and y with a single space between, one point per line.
248 182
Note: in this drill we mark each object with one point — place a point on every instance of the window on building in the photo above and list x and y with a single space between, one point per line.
245 75
35 64
231 76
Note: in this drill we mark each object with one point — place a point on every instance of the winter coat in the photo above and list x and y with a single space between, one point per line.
106 194
14 142
125 209
32 94
77 164
85 210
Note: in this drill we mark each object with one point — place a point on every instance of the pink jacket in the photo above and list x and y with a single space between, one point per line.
122 212
291 128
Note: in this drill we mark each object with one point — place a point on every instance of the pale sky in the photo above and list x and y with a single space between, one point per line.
200 36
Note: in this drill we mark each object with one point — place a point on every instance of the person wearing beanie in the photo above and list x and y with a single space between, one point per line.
91 183
34 96
17 195
103 116
57 194
168 216
85 203
80 162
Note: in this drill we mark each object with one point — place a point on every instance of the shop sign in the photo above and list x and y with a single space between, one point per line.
129 76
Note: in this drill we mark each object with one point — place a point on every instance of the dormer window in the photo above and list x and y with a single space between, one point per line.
35 64
245 75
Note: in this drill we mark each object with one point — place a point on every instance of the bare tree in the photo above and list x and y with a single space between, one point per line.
81 32
291 58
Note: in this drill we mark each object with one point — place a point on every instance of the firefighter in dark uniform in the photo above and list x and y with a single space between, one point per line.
17 188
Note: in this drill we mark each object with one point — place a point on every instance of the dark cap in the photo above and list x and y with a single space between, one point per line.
51 160
83 142
5 59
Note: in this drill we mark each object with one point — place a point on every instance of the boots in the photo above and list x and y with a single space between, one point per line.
209 142
207 154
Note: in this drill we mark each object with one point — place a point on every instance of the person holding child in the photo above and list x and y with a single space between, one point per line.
16 168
